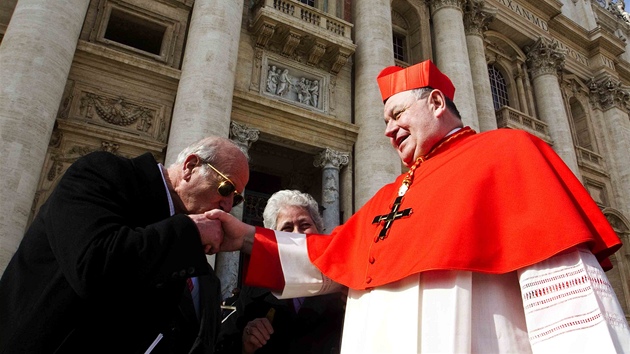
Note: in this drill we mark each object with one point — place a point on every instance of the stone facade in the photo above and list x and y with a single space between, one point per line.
135 76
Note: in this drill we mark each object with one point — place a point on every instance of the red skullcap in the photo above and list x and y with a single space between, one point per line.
394 79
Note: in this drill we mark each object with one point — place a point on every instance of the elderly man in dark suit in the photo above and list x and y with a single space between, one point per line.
105 264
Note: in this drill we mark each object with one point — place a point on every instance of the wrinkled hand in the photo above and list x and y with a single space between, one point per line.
256 334
210 233
237 235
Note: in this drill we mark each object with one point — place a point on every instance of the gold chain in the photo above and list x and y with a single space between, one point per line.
409 177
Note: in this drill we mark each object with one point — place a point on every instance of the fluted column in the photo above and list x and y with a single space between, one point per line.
520 76
226 264
476 20
376 161
608 96
451 55
204 96
35 59
545 60
330 161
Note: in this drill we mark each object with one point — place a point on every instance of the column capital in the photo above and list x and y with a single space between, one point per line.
608 93
545 57
243 135
436 5
331 158
477 16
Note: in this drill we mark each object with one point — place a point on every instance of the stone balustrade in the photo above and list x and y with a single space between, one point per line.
590 158
293 29
308 14
508 117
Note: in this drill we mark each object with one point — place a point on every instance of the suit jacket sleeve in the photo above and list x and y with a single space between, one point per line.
108 224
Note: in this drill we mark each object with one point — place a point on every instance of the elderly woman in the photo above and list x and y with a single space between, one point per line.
300 325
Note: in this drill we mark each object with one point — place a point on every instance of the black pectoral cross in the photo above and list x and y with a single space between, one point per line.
389 218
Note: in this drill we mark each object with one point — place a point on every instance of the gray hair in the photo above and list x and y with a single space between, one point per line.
208 149
423 92
286 198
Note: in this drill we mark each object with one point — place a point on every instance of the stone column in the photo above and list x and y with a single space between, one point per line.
330 161
204 97
376 161
226 264
35 59
545 60
608 96
451 55
476 19
519 77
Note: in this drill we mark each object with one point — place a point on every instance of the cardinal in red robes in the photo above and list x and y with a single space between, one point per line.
489 243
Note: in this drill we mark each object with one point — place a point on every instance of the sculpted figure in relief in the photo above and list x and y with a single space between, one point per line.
314 90
272 79
283 83
304 96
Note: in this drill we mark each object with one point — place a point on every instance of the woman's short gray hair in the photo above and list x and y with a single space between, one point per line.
286 198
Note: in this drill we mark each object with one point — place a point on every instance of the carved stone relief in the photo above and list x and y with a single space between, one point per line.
114 111
545 57
62 153
293 85
607 93
477 17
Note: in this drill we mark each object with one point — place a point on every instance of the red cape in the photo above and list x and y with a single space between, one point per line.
491 202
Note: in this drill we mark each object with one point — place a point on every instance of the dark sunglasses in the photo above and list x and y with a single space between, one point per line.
227 187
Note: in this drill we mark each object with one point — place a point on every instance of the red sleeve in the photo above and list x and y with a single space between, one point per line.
264 269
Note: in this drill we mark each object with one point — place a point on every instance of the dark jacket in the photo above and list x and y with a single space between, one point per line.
316 328
102 268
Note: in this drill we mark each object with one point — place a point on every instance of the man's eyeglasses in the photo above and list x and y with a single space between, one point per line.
227 187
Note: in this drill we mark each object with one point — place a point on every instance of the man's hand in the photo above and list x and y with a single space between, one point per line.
237 235
256 334
210 233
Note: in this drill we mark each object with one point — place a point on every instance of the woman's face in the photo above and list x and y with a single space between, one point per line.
295 219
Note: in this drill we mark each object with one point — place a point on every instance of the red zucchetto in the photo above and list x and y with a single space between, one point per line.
394 79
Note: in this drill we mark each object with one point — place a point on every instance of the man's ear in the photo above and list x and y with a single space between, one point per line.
437 101
189 164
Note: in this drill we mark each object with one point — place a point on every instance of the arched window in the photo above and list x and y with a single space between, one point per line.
499 88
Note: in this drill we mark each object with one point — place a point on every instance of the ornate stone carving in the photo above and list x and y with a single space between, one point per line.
116 111
301 33
617 8
258 54
608 93
315 53
544 57
331 97
265 33
56 168
79 151
331 158
302 89
290 42
436 5
243 136
55 138
341 58
64 107
477 17
109 146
